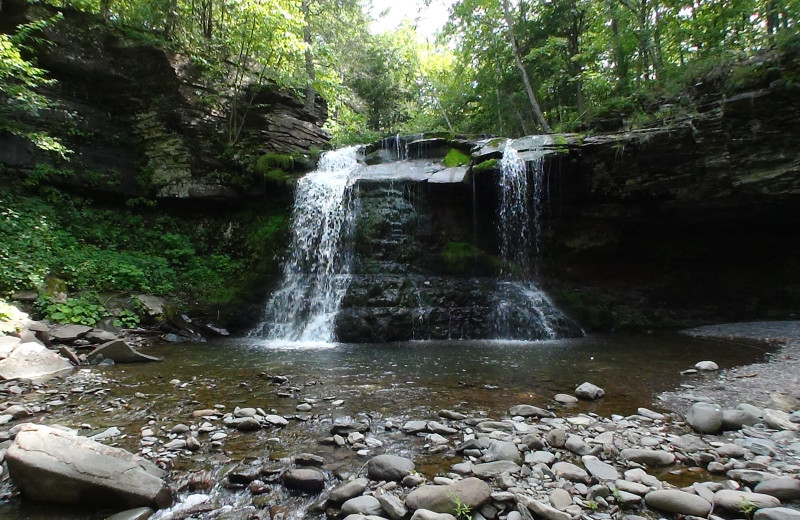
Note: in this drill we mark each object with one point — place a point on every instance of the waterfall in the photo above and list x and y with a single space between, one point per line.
316 272
522 194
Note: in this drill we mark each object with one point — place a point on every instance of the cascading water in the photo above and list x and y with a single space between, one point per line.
521 196
316 271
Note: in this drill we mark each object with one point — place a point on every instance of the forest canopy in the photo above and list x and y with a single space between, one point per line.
507 67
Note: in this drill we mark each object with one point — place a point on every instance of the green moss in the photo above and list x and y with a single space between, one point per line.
456 158
463 258
490 164
270 162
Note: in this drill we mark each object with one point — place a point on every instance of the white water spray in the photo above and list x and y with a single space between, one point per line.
316 272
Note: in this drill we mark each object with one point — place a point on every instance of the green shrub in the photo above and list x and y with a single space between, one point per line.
83 310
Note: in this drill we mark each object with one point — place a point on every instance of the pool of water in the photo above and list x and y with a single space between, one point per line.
377 383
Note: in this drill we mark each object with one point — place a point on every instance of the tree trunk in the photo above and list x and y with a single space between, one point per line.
531 96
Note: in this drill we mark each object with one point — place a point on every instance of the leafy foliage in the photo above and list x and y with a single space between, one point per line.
83 310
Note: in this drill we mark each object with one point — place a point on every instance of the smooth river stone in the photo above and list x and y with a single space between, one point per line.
305 479
495 469
541 509
471 491
599 469
570 472
777 513
348 490
783 488
648 457
526 410
705 417
389 467
739 500
679 502
365 505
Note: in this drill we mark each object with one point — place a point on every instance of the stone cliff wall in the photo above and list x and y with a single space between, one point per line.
143 122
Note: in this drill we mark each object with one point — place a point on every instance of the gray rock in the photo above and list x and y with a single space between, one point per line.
502 450
779 420
541 509
741 501
632 487
305 479
648 457
708 366
589 392
556 438
526 410
680 502
120 352
750 477
471 491
560 499
415 426
33 362
599 469
565 399
441 429
309 459
67 333
570 472
7 345
730 450
452 415
389 467
424 514
783 488
489 470
393 506
690 443
733 420
705 417
247 424
365 505
755 414
348 490
53 465
495 426
276 420
99 336
650 414
576 445
777 513
540 457
140 513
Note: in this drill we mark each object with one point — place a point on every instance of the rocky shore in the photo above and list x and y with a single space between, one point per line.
717 454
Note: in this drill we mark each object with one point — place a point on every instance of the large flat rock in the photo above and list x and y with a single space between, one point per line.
51 465
120 352
32 361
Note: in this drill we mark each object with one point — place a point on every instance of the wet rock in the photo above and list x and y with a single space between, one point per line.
348 490
440 428
777 513
53 465
490 470
304 479
565 399
303 407
570 472
783 488
452 415
346 425
599 469
526 410
364 505
495 426
32 361
708 366
412 480
648 457
389 467
140 513
309 459
541 509
650 414
276 420
471 491
679 502
743 501
589 391
393 506
120 352
705 417
424 514
415 426
502 450
247 424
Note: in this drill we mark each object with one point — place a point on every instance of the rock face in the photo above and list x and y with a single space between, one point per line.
52 465
136 106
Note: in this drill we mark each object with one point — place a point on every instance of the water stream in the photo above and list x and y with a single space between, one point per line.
316 271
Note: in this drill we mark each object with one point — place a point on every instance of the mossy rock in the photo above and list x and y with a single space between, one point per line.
456 158
269 162
490 164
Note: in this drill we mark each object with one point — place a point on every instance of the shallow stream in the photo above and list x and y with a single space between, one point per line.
384 384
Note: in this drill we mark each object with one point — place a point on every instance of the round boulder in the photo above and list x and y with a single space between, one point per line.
705 417
389 467
304 479
472 492
679 502
589 392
